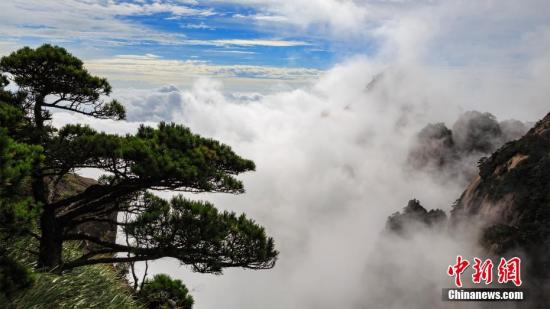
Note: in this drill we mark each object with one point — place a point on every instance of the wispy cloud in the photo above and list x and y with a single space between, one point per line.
332 16
259 42
138 57
152 69
89 21
230 51
263 17
201 25
103 22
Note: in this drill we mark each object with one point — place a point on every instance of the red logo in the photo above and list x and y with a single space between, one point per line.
508 270
457 269
483 271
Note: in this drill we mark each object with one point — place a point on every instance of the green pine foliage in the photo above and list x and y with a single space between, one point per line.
187 229
51 70
165 292
17 212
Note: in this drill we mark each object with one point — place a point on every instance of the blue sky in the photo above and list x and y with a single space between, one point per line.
206 31
242 39
290 40
309 52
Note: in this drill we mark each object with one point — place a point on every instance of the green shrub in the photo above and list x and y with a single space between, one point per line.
165 292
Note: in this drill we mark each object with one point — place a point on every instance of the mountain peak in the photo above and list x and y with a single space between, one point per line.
542 126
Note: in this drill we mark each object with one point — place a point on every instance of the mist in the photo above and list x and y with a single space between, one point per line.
331 163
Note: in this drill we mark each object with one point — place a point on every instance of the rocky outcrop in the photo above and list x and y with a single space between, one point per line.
513 185
413 216
452 154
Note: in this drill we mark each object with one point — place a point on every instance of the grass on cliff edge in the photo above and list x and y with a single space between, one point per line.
96 286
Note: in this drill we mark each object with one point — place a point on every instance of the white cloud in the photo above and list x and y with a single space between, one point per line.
8 47
259 42
201 25
155 72
455 32
229 51
338 15
93 21
263 17
138 57
99 22
452 32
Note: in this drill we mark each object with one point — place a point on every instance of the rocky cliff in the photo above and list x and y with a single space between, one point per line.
511 194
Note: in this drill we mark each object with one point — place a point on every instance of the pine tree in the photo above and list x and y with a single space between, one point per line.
169 157
16 210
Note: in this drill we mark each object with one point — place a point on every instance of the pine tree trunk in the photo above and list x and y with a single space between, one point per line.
51 241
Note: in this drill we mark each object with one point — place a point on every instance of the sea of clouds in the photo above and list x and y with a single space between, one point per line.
331 157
